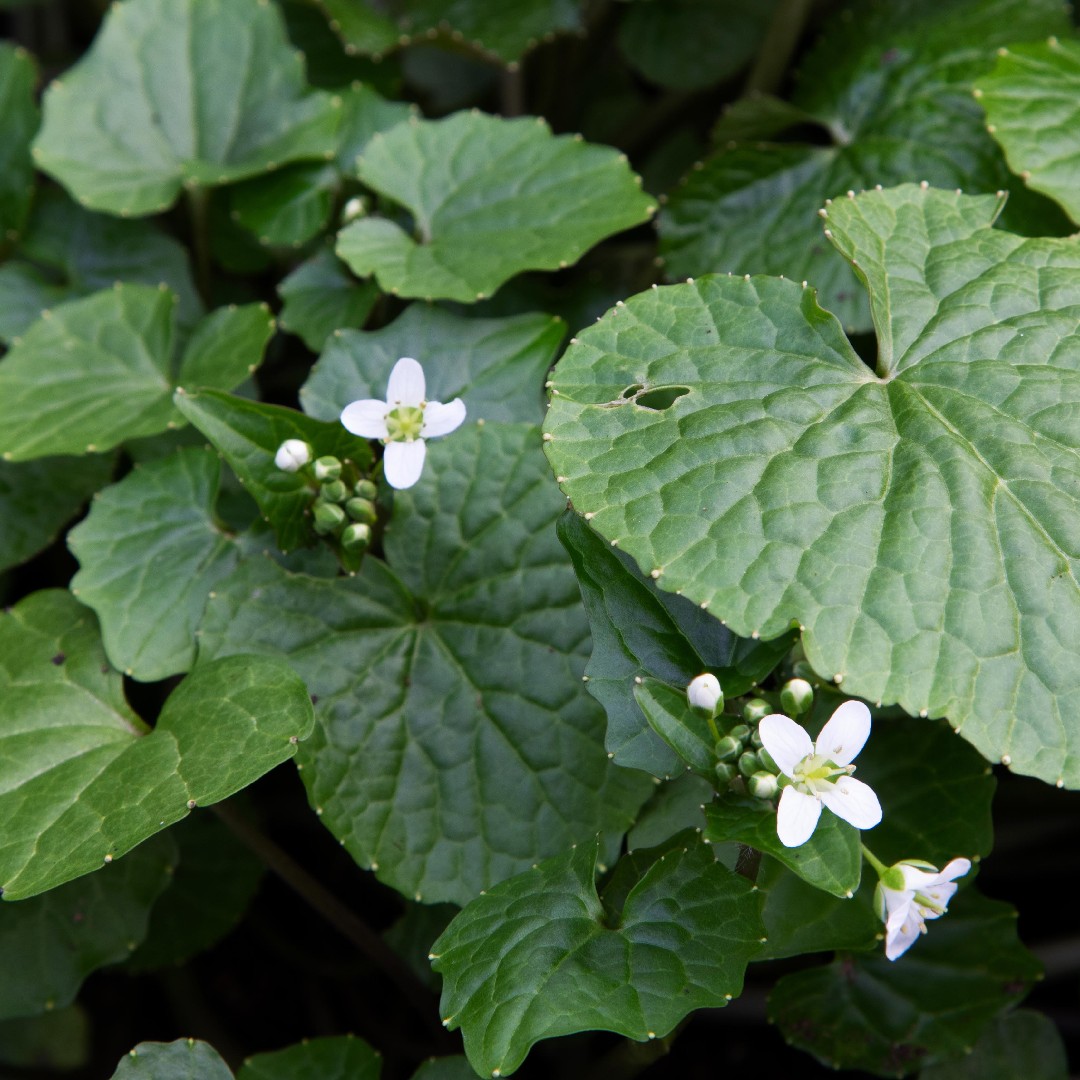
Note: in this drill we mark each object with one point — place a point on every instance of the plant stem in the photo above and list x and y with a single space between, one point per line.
340 917
774 57
873 860
198 200
512 91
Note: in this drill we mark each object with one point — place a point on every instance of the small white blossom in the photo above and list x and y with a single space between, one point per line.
821 772
911 892
403 421
292 454
703 692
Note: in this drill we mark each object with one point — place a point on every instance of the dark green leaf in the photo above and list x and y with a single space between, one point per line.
536 957
184 1059
321 296
448 1068
1023 1043
364 114
675 805
286 208
341 1058
58 1040
683 730
18 123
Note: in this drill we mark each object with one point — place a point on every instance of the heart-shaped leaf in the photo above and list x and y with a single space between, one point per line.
18 123
448 678
489 198
538 956
86 780
181 93
916 522
342 1057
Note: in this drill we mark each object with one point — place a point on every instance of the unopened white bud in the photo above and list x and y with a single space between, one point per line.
705 695
292 454
796 697
354 208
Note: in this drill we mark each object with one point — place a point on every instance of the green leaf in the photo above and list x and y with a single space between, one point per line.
181 93
448 1068
536 957
58 1040
684 731
54 941
150 550
690 44
321 296
638 630
829 860
489 198
286 208
38 497
1032 100
18 123
88 781
364 114
213 884
448 678
792 484
183 1059
248 435
342 1057
891 86
110 368
1020 1043
361 29
674 805
890 1017
67 252
413 933
497 366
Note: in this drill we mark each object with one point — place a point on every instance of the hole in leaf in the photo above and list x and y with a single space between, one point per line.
632 389
662 398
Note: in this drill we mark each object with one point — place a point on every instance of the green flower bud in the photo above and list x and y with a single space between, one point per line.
361 510
356 536
327 468
755 709
366 489
334 492
749 764
728 748
796 697
724 775
762 785
766 759
740 732
328 517
755 738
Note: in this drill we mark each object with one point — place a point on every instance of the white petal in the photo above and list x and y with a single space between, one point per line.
796 817
403 462
896 899
406 383
845 734
440 419
786 741
900 934
292 455
953 870
366 418
853 801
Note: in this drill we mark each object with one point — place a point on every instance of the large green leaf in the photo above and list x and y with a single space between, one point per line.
1032 100
456 744
49 944
538 956
916 522
248 434
449 1068
891 90
103 369
639 630
150 550
18 123
286 208
1018 1044
497 366
181 93
38 497
343 1057
321 296
489 198
890 1017
68 252
183 1059
84 781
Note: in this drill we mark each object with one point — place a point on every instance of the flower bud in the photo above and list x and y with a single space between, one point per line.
356 537
749 764
740 732
762 785
705 695
796 697
333 492
755 709
327 468
725 773
366 489
728 748
356 207
767 761
292 455
361 510
328 517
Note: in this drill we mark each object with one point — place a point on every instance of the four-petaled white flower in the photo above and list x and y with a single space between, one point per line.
403 421
911 892
821 772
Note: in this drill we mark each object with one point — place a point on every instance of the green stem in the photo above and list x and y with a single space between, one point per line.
714 729
198 201
774 57
873 860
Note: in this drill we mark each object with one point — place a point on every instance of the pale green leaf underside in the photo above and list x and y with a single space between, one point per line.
1032 101
177 93
536 957
489 198
83 781
150 550
456 744
919 523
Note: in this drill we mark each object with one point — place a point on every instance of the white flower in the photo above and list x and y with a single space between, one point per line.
820 773
403 421
703 692
911 892
292 454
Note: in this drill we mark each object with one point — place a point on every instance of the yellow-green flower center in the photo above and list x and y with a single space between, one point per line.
816 769
404 424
